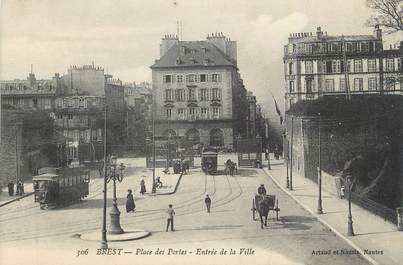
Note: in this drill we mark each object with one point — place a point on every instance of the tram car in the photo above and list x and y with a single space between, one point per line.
209 161
57 187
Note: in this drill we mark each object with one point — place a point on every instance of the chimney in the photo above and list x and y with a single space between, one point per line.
167 42
378 32
319 33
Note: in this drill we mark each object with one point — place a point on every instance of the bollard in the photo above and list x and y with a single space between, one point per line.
399 212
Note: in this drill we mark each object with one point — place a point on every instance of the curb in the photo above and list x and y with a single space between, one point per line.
352 244
17 199
171 192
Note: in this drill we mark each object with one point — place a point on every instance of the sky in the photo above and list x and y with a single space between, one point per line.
123 36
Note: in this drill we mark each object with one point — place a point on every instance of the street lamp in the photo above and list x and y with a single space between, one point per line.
320 209
148 140
350 231
115 174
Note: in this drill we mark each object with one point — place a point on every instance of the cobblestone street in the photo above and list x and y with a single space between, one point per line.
297 238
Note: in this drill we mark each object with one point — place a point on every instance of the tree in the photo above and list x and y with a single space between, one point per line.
387 14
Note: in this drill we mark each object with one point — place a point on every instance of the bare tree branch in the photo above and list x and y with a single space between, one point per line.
387 14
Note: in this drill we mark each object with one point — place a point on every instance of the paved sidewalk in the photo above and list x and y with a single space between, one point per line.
371 232
6 199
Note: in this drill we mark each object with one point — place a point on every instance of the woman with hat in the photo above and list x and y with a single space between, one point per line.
130 206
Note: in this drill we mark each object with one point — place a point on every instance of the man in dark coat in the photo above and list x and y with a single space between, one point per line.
261 190
10 188
207 201
130 206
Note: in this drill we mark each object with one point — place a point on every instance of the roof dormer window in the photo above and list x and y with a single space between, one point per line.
183 49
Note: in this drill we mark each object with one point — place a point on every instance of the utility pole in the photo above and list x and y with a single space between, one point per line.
292 142
319 210
346 77
104 242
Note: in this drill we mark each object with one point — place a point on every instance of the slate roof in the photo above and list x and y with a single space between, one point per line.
194 53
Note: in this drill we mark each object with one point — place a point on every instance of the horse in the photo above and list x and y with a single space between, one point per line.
262 203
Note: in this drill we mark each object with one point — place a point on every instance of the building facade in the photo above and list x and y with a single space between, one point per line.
197 91
317 64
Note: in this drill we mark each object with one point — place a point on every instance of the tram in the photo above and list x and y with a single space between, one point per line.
56 187
209 161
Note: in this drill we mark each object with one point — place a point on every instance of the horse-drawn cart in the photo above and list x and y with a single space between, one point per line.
263 204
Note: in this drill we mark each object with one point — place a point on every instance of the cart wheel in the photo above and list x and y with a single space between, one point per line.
253 210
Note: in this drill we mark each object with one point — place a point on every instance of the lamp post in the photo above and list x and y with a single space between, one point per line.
319 210
350 231
104 242
116 174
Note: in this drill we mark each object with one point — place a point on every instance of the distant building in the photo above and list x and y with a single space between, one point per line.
314 66
84 80
30 93
197 90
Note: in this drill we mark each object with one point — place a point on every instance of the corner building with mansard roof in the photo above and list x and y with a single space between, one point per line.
314 66
198 93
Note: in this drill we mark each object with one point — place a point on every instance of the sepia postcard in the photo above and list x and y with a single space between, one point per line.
201 132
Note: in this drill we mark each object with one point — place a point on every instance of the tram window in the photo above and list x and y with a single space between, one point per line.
253 156
245 156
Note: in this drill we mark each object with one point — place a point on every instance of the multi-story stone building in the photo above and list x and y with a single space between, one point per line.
80 119
30 93
317 65
197 91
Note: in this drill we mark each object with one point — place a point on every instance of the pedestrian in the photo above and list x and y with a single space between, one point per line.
142 186
22 188
261 190
170 217
207 201
266 153
130 206
10 188
342 190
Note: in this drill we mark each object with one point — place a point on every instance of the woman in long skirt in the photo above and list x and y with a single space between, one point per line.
142 187
130 206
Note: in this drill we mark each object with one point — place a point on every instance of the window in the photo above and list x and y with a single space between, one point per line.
167 78
181 113
168 94
308 48
290 68
390 83
371 65
358 66
203 94
399 64
309 85
216 93
203 78
70 116
390 65
203 111
169 113
329 85
349 66
342 84
349 47
179 78
372 83
336 66
192 111
180 95
328 66
216 77
291 86
216 112
190 78
192 94
357 84
308 67
59 116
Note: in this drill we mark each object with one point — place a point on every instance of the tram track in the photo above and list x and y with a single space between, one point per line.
149 215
